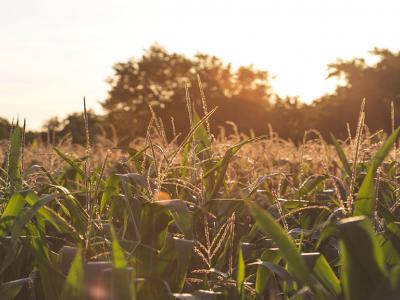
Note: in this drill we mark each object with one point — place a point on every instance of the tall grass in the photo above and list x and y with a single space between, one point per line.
212 217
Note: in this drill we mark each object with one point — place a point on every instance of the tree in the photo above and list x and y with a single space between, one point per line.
158 79
379 84
74 124
4 129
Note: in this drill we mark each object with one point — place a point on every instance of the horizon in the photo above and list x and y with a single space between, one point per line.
54 54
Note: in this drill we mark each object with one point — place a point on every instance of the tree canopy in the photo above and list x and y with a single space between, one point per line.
379 84
243 96
158 79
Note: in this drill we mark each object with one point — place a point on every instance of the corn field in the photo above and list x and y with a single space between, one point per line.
201 217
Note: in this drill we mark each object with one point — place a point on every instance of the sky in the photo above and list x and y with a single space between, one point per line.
54 52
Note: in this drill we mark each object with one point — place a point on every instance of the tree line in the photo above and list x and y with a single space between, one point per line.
160 83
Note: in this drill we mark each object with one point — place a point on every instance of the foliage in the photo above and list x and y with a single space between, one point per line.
158 80
194 220
4 129
245 100
377 83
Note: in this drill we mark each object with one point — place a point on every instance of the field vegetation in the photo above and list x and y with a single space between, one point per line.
201 216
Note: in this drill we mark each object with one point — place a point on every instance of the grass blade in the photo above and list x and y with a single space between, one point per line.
73 288
341 155
362 264
122 286
288 250
14 159
365 201
240 276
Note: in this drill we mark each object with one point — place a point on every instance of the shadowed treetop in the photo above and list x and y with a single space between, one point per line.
158 79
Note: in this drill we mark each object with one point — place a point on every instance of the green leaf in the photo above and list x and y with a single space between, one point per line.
309 185
365 201
395 277
132 204
21 221
181 214
73 288
78 214
324 273
172 262
111 189
393 235
14 206
362 262
136 156
263 274
14 159
341 155
184 252
122 285
202 148
240 275
27 215
9 290
200 135
222 165
75 166
185 160
154 221
51 277
50 215
288 249
119 261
